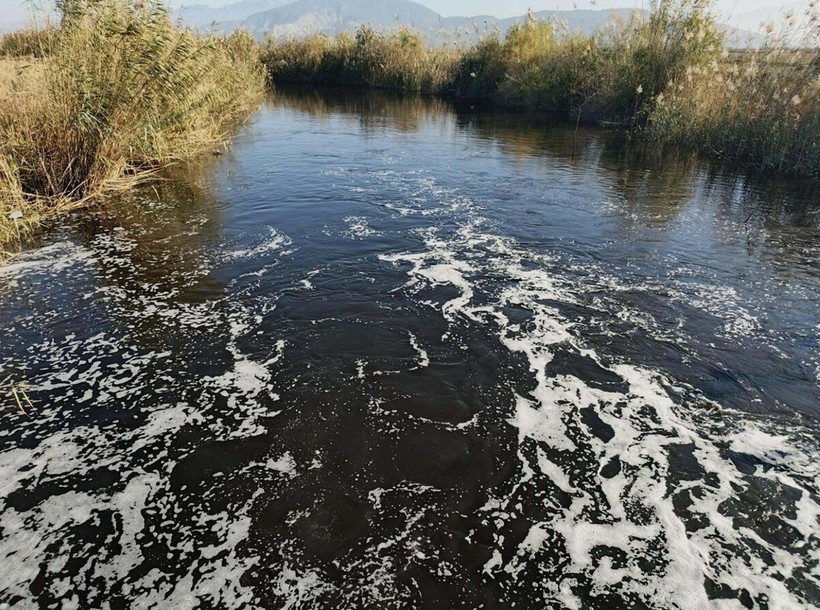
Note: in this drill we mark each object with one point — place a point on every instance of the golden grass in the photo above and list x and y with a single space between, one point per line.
761 108
30 42
611 76
397 60
19 397
120 94
20 74
668 76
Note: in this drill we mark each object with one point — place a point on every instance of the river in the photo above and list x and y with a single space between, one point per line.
385 353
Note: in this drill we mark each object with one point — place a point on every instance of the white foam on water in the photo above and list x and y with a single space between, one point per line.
276 242
639 518
423 357
248 380
38 541
54 258
621 534
358 227
285 464
299 589
447 273
306 283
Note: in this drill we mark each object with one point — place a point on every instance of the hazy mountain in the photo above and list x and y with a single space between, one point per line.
334 16
203 15
283 18
776 17
755 20
585 21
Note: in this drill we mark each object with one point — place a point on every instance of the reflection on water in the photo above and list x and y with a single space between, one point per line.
388 353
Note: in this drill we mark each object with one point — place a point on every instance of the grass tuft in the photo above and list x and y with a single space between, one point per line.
398 60
666 74
30 42
122 93
760 108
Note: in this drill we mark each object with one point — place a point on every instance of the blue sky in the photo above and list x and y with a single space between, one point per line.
12 11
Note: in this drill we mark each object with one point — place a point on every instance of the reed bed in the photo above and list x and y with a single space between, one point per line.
666 75
398 60
611 76
30 42
123 92
760 108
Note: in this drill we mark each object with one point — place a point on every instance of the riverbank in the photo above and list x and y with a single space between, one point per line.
388 342
118 92
113 95
668 76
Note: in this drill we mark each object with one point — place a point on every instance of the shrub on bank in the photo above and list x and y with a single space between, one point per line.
124 92
398 60
31 42
612 76
666 72
760 108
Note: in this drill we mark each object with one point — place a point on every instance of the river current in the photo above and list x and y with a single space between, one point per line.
388 354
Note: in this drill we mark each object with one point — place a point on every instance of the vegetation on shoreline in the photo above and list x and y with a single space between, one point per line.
760 108
668 76
30 42
397 60
121 93
117 91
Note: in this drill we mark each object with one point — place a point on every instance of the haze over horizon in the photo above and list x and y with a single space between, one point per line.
512 8
17 11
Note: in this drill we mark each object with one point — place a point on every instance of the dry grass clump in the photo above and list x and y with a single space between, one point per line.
123 93
612 76
19 397
398 60
760 108
19 75
31 42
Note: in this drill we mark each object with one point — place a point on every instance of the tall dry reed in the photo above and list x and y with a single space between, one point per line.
759 107
398 60
124 92
613 75
30 42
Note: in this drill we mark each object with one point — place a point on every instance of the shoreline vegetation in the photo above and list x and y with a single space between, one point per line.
107 99
667 76
117 91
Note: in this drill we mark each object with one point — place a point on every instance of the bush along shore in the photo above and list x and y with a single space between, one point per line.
665 74
118 93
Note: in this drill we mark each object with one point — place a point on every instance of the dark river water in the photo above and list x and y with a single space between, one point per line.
387 354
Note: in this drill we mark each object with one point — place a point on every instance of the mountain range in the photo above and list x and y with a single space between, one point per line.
283 18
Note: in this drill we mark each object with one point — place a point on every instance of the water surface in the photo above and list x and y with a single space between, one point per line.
389 354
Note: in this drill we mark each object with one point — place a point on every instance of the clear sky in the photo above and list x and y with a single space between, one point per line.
12 11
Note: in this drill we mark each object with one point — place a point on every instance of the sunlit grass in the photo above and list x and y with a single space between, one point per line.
761 108
18 397
667 75
120 93
398 60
